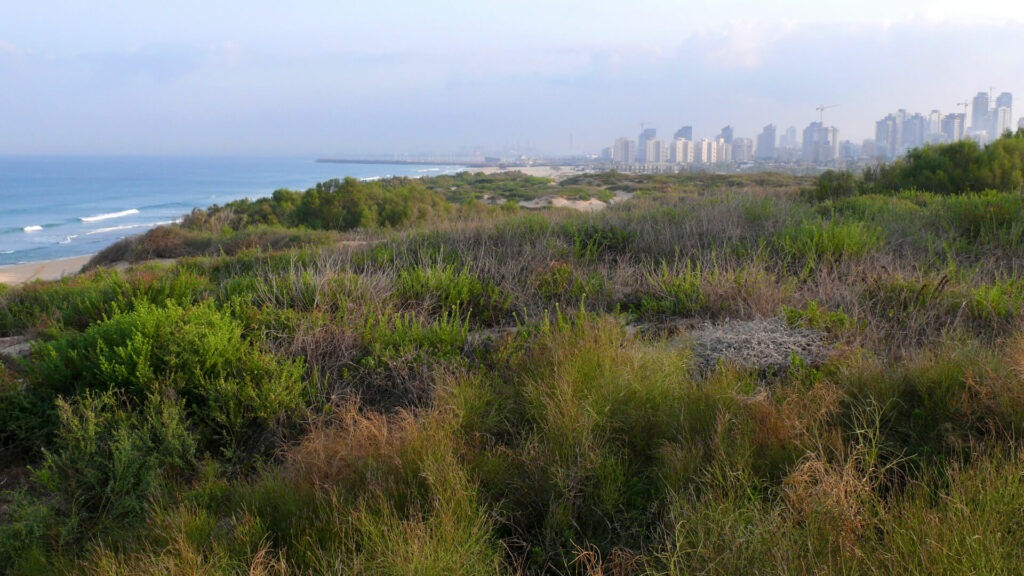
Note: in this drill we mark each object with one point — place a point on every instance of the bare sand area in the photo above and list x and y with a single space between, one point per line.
589 205
553 172
46 270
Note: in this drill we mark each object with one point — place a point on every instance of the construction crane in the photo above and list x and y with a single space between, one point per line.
965 104
821 113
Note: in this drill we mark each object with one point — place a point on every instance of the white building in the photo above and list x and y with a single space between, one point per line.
682 151
705 152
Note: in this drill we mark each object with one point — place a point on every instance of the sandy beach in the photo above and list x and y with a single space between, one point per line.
46 270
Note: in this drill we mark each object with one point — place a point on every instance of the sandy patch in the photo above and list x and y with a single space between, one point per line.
47 270
553 172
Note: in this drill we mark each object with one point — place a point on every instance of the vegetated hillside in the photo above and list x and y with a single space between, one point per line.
473 389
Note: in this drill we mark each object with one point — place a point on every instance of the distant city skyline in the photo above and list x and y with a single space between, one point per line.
989 117
321 78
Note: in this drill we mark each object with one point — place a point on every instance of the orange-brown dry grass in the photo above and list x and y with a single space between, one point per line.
345 447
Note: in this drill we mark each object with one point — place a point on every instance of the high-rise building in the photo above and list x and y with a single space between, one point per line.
979 113
682 151
934 122
914 130
641 143
705 152
725 134
1003 121
653 153
788 140
821 143
624 151
888 136
849 150
686 133
766 143
1004 100
723 151
953 126
1020 124
742 150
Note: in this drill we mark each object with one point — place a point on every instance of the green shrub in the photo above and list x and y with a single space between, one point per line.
452 288
816 317
812 242
73 302
236 393
591 240
29 529
107 460
671 294
832 185
391 335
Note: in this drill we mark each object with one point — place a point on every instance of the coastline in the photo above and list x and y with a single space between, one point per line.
16 274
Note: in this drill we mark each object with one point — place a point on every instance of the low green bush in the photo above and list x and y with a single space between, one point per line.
107 459
830 241
236 393
670 293
451 288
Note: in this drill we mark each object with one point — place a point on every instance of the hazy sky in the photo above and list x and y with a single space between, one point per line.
322 78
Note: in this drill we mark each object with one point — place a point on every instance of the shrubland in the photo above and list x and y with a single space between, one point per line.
366 378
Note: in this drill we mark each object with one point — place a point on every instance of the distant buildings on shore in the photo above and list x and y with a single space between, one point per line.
895 134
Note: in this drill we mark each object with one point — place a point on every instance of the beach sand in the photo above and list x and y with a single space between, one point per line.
47 270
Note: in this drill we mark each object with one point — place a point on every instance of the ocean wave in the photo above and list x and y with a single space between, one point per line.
129 227
6 251
109 216
430 170
68 239
32 228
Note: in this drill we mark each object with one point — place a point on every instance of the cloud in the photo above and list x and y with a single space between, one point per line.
8 48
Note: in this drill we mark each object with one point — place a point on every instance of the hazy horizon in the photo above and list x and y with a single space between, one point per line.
320 79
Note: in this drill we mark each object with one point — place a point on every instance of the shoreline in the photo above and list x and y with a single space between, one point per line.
16 274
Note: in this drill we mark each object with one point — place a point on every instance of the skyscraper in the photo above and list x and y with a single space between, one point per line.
821 143
934 122
682 152
766 143
653 153
1002 116
726 135
979 113
788 139
953 126
623 151
686 132
914 129
742 150
889 136
705 152
641 143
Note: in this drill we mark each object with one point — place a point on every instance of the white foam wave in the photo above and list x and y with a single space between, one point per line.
7 252
129 227
109 216
32 228
68 239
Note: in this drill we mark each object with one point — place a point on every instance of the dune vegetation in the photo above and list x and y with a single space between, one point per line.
398 377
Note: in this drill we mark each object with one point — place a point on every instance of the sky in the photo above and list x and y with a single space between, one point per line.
319 78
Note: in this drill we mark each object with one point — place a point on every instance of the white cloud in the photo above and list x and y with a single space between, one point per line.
9 48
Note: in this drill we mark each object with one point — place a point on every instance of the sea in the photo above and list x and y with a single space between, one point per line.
61 207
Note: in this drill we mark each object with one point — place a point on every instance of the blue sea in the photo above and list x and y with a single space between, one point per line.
59 207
